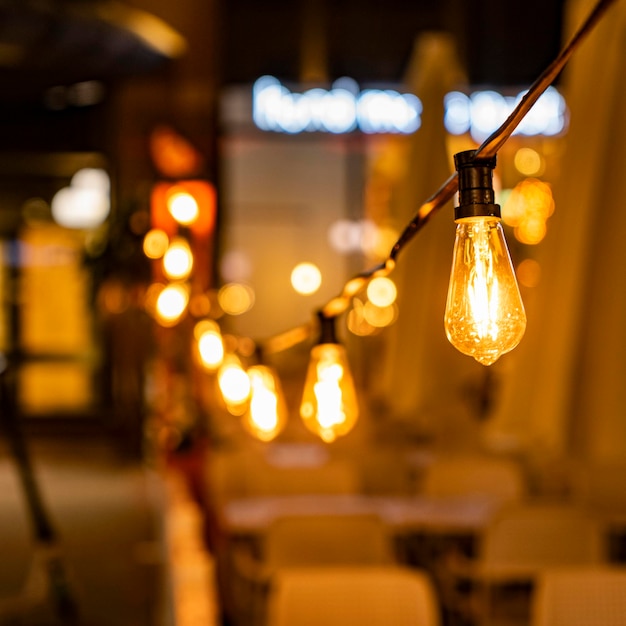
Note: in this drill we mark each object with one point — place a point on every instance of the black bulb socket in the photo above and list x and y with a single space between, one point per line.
328 333
476 194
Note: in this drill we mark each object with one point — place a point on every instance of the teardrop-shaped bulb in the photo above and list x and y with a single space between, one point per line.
484 316
329 406
267 411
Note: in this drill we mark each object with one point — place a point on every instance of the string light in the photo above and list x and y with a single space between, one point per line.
329 404
484 315
266 415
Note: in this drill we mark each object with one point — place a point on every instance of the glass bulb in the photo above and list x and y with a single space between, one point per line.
267 411
210 344
329 405
484 315
234 384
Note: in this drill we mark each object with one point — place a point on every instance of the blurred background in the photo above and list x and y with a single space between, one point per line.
108 109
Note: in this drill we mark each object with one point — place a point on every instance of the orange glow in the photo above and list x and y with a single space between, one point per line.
155 243
202 192
529 273
379 316
329 406
234 384
171 304
267 412
210 344
235 298
178 259
172 154
528 208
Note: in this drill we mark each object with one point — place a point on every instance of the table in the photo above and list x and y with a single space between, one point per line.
464 514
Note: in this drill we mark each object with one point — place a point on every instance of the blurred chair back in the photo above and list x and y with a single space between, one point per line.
346 596
600 487
533 536
327 539
590 596
499 478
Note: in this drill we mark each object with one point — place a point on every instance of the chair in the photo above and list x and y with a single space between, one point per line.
497 477
298 541
590 596
522 541
345 596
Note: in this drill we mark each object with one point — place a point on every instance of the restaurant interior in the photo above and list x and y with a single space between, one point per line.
304 316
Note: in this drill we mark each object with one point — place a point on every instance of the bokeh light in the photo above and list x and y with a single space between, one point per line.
528 162
306 278
183 207
235 298
529 273
171 304
155 243
178 259
382 291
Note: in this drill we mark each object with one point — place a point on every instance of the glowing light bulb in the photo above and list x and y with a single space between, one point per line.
267 411
171 304
183 207
234 384
329 406
484 315
178 259
210 344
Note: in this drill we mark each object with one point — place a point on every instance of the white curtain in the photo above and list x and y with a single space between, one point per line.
567 390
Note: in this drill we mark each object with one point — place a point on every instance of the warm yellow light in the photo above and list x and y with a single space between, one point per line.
210 344
267 412
183 207
234 385
528 162
531 230
306 278
527 208
484 315
171 304
356 322
178 259
329 405
529 273
382 291
235 298
379 316
155 243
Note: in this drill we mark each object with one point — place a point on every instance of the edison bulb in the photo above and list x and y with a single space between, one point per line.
267 411
484 315
329 405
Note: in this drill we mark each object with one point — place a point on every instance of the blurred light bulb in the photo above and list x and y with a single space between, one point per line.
155 243
171 303
234 385
484 315
183 207
267 411
210 344
306 278
329 406
178 259
382 291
